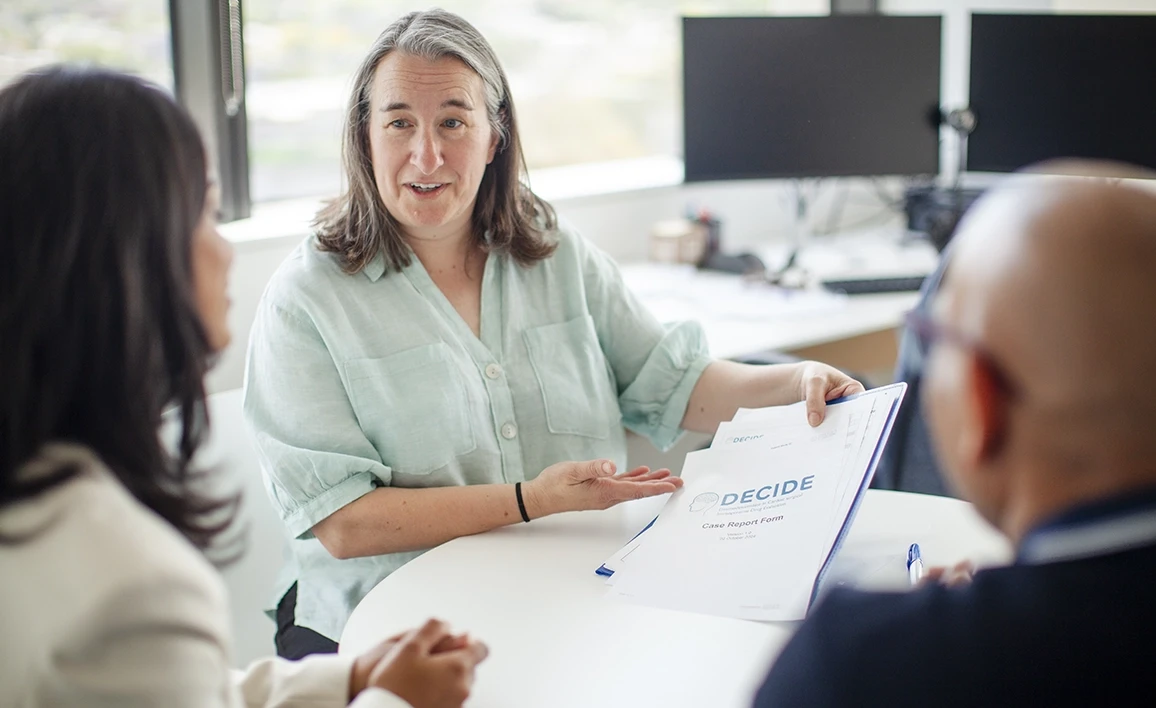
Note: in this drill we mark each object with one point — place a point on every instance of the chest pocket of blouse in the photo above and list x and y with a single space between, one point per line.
577 387
413 407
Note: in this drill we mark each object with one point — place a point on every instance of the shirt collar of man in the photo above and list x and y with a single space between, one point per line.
1098 528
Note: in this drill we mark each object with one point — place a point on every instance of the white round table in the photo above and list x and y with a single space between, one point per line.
530 592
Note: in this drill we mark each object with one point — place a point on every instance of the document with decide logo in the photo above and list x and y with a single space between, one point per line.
761 514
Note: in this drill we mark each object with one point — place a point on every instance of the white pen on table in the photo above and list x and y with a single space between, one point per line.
914 564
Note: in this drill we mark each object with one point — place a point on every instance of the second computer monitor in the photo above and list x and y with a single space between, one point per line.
810 96
1055 86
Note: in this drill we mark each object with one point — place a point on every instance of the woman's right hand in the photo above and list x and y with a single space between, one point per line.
577 486
430 667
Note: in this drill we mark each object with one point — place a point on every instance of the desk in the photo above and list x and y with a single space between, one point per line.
741 318
530 592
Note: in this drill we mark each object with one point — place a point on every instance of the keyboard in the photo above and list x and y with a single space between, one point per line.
866 286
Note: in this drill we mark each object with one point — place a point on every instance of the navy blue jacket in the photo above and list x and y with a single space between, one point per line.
1071 623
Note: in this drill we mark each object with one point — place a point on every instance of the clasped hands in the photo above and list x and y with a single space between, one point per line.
428 667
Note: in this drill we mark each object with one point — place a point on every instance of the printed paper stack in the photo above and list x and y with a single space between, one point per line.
761 513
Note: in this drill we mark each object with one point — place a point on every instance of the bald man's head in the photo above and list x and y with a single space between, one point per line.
1050 296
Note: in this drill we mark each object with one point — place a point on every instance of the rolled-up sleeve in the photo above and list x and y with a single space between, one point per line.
654 403
656 367
313 453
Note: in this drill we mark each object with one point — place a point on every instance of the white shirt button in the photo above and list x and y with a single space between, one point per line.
509 431
493 371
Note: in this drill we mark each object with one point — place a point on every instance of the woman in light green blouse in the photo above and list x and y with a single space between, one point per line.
443 358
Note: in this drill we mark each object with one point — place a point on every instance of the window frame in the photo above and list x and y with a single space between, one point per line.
209 81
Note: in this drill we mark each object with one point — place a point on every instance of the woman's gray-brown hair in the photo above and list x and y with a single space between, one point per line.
357 226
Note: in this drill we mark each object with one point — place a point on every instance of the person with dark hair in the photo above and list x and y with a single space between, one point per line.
112 304
1041 412
430 364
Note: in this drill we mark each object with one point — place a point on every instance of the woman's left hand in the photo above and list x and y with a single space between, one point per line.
819 383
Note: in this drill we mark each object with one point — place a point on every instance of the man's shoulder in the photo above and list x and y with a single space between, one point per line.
875 648
861 618
931 616
869 617
852 644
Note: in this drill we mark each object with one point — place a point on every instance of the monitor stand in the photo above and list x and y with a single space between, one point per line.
798 235
854 263
962 121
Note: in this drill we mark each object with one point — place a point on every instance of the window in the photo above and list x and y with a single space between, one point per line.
593 80
130 35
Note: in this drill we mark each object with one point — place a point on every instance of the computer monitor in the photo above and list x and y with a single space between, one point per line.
810 96
1051 86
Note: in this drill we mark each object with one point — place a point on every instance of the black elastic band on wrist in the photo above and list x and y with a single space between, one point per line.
521 504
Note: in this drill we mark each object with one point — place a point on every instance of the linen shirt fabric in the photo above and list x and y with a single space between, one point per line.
355 382
103 603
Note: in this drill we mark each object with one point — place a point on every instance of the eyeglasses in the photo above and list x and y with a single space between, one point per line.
929 331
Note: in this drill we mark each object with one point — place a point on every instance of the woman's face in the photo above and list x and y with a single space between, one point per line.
430 141
212 257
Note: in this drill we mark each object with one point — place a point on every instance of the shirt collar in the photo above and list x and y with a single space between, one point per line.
1105 526
375 268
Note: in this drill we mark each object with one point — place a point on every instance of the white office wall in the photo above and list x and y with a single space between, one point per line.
253 264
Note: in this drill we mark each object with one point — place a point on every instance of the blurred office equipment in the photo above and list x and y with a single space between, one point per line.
854 7
810 96
871 286
1051 86
935 211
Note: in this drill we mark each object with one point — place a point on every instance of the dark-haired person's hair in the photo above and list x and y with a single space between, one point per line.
103 181
357 227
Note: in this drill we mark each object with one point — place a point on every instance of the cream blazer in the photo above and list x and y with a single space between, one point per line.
103 603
